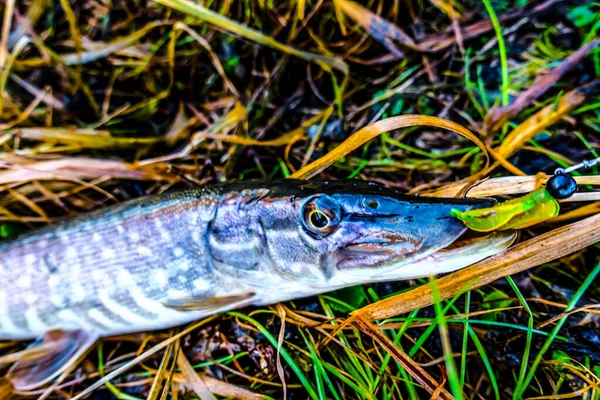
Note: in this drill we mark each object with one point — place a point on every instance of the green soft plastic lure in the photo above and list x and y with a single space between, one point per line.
522 212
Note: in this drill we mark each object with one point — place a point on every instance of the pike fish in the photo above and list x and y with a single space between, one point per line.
169 259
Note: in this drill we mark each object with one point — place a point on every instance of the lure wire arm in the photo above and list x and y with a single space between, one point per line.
584 164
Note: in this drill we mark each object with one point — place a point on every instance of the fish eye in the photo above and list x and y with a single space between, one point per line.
320 216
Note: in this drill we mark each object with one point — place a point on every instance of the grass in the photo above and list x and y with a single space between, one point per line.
551 337
103 101
501 50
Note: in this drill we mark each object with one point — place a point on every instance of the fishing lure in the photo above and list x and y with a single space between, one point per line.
522 212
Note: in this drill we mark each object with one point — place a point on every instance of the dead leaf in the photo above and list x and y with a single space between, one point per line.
193 380
379 28
440 41
78 168
508 185
84 138
283 140
544 118
498 116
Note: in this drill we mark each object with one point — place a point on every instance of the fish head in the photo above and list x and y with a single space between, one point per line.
356 231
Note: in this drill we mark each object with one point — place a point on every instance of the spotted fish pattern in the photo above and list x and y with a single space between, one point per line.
108 271
121 269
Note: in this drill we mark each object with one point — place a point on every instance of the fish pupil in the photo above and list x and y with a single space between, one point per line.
319 220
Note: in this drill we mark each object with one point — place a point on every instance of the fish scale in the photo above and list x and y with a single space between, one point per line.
93 263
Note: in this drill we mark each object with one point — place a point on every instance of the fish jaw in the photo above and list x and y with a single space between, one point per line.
460 254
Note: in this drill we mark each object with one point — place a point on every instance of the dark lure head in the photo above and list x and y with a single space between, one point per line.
332 231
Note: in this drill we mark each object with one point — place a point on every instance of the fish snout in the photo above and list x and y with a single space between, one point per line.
434 223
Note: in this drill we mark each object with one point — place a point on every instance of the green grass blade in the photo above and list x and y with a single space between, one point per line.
486 362
527 349
453 376
284 353
501 48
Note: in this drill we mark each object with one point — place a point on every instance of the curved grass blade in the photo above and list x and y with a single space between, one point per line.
371 131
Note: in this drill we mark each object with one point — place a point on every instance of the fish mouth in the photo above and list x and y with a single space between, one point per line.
380 247
466 250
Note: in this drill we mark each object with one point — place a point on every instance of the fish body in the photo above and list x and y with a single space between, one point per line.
169 259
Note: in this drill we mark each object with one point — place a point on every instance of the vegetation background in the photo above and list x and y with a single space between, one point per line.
107 100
